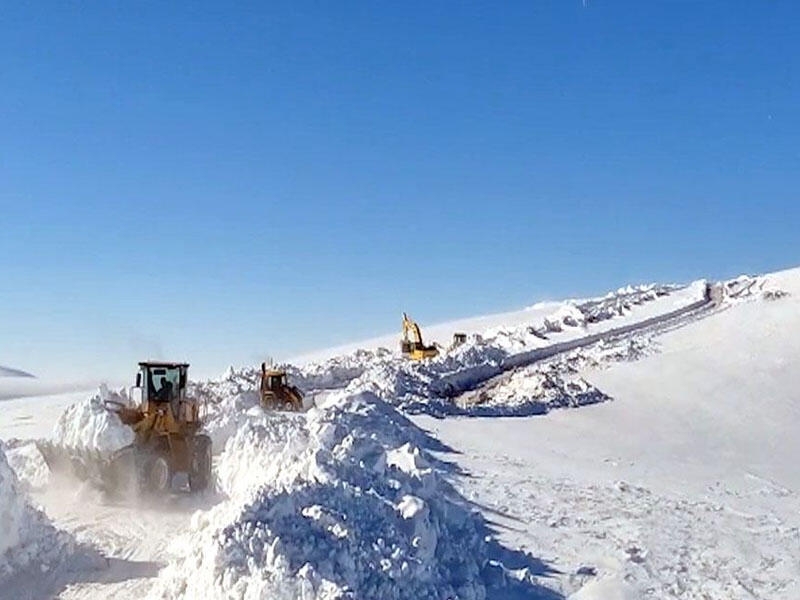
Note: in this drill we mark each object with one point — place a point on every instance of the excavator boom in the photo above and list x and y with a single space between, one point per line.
411 344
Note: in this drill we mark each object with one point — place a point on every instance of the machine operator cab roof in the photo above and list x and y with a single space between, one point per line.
162 381
273 378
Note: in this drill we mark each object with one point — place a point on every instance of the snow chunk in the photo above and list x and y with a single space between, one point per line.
89 426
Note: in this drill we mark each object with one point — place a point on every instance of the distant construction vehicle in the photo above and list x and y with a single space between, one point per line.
276 393
411 344
458 340
167 439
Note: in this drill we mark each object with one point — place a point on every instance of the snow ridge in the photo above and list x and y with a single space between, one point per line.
347 503
28 538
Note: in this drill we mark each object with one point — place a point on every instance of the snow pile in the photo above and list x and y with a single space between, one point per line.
748 288
88 425
344 502
28 464
27 538
555 383
226 403
337 372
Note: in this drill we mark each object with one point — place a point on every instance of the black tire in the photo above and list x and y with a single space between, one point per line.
156 475
200 474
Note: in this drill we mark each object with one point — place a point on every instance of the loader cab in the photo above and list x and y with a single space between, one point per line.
162 385
274 380
162 382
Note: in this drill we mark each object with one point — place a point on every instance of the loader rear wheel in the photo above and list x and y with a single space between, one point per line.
200 475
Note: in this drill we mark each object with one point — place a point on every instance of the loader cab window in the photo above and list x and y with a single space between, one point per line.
275 381
163 383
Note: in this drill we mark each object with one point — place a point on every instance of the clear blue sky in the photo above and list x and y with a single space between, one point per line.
221 181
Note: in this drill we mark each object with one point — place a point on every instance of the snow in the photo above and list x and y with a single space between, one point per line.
442 334
29 544
548 330
31 417
343 503
684 485
87 425
637 445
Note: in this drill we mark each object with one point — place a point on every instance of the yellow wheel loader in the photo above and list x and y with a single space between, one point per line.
167 438
411 344
276 393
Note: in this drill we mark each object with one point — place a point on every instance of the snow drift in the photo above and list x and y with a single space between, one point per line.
27 538
346 502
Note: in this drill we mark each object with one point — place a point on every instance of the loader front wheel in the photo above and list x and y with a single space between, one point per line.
200 475
158 475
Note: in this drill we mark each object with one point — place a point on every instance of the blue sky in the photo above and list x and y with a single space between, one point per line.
216 183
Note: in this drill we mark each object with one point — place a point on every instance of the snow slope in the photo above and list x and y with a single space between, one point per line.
442 333
30 547
31 417
685 485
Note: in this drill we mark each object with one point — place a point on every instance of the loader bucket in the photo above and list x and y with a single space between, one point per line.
109 472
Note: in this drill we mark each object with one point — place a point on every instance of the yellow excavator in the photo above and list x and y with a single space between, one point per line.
277 393
167 438
411 344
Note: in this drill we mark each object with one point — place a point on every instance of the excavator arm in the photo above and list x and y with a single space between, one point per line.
411 345
411 331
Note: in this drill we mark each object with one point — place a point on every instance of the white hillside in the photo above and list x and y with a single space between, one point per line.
684 484
442 333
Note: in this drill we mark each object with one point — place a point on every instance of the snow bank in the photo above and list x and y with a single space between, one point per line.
550 384
28 464
428 386
27 538
344 502
87 424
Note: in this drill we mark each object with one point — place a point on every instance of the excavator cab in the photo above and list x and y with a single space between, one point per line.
411 344
276 393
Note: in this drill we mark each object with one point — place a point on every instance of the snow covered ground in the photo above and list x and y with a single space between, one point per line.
639 445
684 485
